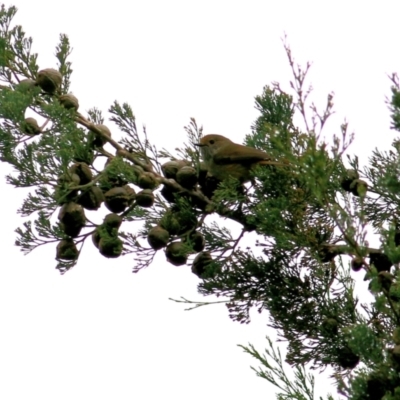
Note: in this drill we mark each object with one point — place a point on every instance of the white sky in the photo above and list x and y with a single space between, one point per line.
101 332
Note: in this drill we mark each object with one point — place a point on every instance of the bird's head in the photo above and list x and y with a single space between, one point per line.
212 144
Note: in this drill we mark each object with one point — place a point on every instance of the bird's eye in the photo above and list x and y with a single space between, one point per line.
212 142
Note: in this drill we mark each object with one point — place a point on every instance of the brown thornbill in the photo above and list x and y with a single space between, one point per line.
224 158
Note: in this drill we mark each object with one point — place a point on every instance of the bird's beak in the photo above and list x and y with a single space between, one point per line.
199 144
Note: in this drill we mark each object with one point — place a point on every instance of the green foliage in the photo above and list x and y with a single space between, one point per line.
298 387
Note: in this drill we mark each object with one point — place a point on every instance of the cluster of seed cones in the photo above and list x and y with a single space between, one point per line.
82 188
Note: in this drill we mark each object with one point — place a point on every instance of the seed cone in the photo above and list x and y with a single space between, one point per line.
171 168
72 219
197 241
145 198
30 127
178 222
158 237
347 359
187 177
110 247
112 222
71 230
91 198
147 180
26 84
99 140
168 194
176 253
357 263
200 263
69 101
116 199
350 176
70 179
66 250
49 80
83 171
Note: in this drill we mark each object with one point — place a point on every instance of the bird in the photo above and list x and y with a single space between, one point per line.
224 159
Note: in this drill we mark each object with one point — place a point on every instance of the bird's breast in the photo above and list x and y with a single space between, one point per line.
223 171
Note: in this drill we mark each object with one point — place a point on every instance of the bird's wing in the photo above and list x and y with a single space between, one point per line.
243 155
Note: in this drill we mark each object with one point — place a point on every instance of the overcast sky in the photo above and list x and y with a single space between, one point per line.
101 332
